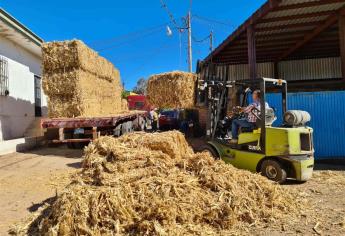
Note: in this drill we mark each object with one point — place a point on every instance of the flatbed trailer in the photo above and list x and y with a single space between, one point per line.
80 131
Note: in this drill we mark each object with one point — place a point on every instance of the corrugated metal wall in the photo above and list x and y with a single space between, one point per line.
327 111
309 69
241 72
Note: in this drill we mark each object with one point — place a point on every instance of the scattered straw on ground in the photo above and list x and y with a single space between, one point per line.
330 177
154 184
172 90
79 82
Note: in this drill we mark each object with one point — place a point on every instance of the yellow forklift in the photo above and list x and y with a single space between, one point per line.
278 151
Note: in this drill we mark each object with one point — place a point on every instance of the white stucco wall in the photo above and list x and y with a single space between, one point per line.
13 51
17 111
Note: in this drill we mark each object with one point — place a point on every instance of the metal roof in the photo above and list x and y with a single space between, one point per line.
286 29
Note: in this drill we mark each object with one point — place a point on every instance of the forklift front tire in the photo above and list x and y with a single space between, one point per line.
274 171
211 151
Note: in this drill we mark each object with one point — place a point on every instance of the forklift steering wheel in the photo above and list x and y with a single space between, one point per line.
255 114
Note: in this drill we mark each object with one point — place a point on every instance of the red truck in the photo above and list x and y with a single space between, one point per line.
138 102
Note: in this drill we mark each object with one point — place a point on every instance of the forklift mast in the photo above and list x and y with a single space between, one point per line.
214 83
213 92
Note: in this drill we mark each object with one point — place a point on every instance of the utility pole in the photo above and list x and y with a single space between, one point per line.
211 41
190 57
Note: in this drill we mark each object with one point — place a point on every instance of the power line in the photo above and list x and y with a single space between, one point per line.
213 21
151 57
131 40
126 36
135 56
213 26
171 16
201 40
186 26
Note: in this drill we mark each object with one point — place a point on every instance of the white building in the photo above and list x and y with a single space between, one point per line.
21 98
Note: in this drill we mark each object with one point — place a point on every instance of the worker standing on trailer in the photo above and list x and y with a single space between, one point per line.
250 120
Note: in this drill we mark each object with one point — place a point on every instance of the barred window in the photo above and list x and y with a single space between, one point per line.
4 83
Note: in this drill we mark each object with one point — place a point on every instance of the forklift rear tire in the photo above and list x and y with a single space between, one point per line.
211 151
274 171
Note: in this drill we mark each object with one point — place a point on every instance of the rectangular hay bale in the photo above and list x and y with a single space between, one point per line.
172 90
59 57
78 82
74 81
62 106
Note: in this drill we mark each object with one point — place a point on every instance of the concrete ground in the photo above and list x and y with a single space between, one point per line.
29 180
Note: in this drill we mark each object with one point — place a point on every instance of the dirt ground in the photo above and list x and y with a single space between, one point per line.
29 180
325 214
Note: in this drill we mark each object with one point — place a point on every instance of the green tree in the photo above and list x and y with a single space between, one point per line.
141 86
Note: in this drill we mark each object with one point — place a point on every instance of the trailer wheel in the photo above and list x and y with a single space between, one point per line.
274 171
211 151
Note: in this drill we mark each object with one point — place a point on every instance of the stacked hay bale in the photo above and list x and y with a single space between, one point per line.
154 184
79 82
172 90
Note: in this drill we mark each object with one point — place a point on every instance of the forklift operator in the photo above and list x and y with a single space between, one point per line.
250 120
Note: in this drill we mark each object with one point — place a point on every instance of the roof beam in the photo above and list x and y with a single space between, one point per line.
264 44
251 52
307 4
295 17
341 22
259 14
331 20
291 33
260 49
244 55
288 26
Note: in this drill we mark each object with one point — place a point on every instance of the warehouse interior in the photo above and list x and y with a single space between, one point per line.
295 40
302 42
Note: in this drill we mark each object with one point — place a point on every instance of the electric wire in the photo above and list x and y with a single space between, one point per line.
212 20
150 58
130 41
128 36
171 16
201 40
134 56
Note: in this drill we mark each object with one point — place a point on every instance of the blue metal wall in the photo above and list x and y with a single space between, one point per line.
327 110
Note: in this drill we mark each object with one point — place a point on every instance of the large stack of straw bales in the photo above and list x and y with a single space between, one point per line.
172 90
154 184
79 82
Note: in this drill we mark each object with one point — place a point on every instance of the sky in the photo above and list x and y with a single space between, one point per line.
132 34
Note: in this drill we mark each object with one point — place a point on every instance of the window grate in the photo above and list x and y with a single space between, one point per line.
4 81
38 99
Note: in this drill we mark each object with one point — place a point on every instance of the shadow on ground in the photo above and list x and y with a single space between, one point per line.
36 206
76 165
33 229
61 150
